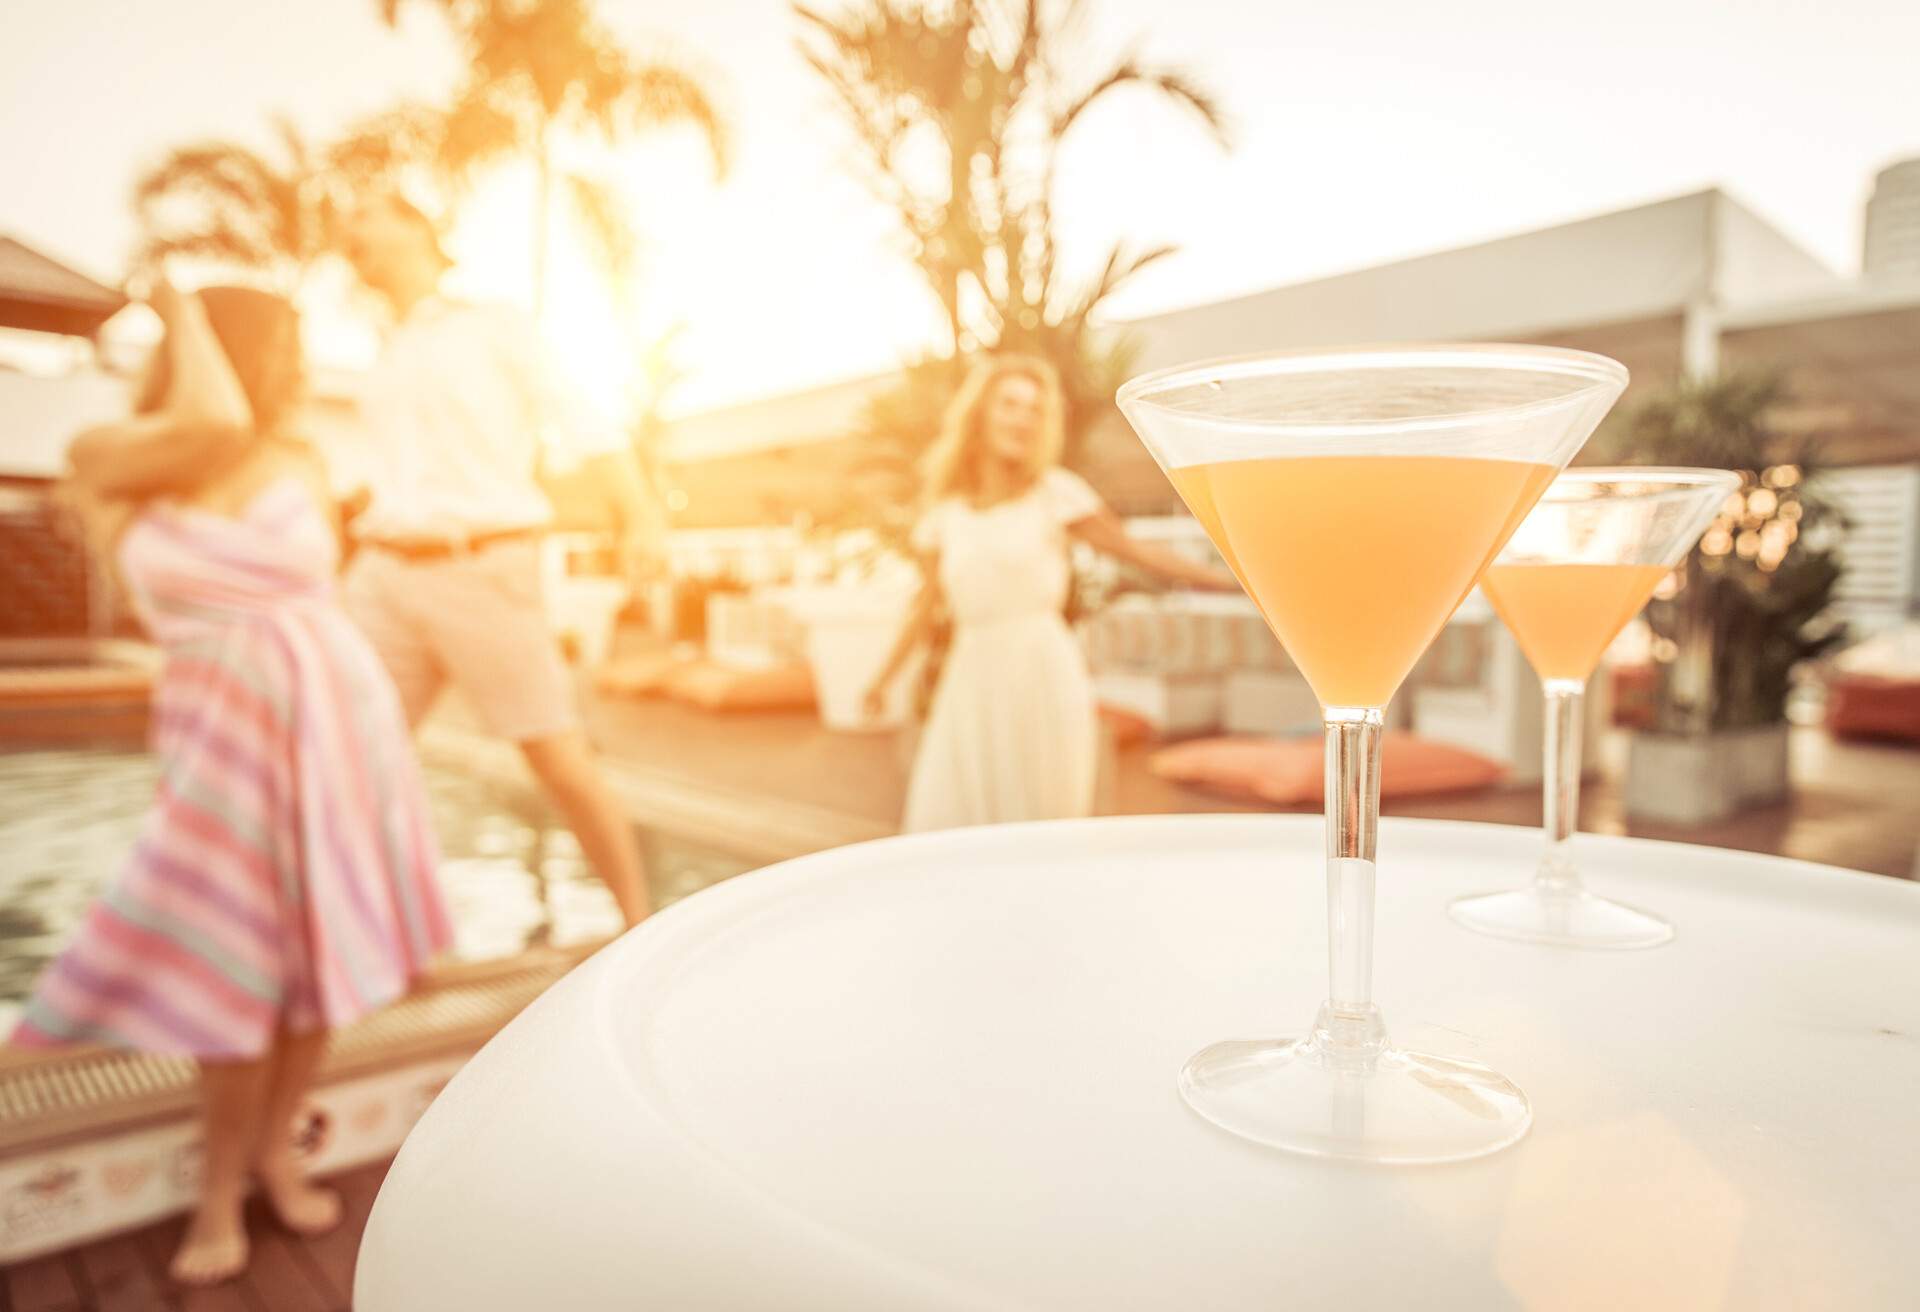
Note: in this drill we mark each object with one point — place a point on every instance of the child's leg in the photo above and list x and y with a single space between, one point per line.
214 1248
301 1206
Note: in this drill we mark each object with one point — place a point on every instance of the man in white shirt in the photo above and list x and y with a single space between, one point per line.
464 407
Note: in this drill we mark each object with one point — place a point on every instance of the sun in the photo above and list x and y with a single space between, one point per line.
491 244
727 300
601 328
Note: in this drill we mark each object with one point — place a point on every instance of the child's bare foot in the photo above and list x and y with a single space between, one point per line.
214 1248
302 1206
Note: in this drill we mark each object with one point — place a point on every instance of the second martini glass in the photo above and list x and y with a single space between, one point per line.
1582 565
1359 495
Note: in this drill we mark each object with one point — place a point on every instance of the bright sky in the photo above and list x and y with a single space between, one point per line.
1366 131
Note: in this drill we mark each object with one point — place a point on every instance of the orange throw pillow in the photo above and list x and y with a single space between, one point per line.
1287 772
725 688
1870 706
1633 689
1128 729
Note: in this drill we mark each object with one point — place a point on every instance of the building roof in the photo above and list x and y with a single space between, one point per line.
818 414
1642 264
41 294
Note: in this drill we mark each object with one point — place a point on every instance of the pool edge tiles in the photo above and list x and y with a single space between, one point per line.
94 1141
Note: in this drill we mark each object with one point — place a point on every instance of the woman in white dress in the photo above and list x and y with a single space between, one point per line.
1013 733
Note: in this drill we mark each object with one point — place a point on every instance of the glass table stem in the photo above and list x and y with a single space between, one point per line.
1349 1026
1560 780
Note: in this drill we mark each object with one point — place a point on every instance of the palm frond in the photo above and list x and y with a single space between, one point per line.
293 144
479 129
1174 85
374 150
828 27
1032 47
628 96
219 168
234 190
390 9
606 222
217 242
1119 269
853 36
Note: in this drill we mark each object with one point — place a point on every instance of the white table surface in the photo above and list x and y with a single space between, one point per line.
938 1072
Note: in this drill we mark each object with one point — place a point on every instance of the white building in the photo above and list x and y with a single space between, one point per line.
1892 244
1679 286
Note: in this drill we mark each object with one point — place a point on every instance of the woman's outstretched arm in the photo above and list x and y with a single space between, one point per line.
1103 531
916 631
203 422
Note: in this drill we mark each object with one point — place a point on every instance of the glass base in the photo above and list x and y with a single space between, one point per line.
1572 918
1373 1104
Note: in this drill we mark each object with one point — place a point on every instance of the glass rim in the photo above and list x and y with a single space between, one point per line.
1594 371
1660 481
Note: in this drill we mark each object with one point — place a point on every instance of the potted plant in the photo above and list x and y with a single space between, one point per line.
1746 608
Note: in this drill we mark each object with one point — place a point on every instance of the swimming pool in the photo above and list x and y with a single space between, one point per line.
514 877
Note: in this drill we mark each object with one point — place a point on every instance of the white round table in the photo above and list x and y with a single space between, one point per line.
938 1072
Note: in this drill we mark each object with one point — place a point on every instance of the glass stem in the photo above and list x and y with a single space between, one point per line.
1349 1026
1560 780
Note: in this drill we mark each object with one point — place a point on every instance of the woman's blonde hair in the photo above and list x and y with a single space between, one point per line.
952 463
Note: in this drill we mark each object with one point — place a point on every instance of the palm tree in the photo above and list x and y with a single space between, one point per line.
272 213
961 110
232 204
543 70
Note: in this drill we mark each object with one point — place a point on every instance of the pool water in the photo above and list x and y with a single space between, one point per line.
514 877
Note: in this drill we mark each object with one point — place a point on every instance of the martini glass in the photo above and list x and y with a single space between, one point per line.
1580 566
1359 495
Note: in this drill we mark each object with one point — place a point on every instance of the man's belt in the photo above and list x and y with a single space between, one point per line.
428 549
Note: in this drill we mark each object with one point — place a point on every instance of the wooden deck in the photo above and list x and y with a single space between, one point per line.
128 1272
786 786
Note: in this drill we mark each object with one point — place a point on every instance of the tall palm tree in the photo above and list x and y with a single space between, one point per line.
232 204
961 110
543 70
275 213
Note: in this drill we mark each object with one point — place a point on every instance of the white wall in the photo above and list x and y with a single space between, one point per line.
1629 265
39 416
1880 551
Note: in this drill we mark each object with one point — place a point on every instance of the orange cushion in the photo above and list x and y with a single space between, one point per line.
1287 772
638 676
1128 729
1869 706
725 688
1633 689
